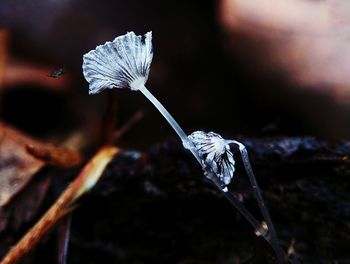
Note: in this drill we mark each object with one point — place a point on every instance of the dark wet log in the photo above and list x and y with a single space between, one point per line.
157 207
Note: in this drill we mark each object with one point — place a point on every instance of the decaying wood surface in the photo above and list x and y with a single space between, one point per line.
156 207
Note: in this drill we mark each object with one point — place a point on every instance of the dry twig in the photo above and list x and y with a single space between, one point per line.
64 204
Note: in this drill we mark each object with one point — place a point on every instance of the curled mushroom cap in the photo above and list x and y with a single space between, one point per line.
215 154
122 63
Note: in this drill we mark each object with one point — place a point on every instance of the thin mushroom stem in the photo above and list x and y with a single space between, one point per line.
185 141
237 204
274 239
252 221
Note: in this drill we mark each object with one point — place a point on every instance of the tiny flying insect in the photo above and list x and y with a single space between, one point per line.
58 73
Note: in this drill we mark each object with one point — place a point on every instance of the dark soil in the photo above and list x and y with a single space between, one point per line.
157 207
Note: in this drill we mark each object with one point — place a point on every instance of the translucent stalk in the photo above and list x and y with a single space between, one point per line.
185 141
274 240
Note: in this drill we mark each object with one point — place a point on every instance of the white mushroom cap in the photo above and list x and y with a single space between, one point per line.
215 154
123 63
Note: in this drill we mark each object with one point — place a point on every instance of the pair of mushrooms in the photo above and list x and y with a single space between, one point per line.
125 63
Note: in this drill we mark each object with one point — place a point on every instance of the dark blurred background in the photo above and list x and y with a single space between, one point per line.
266 69
218 65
